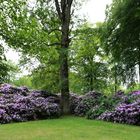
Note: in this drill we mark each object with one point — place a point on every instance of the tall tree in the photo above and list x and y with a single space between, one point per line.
64 12
122 36
87 58
38 30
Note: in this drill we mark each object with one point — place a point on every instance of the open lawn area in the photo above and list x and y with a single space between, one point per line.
68 128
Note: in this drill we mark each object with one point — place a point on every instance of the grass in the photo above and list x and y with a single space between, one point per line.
68 128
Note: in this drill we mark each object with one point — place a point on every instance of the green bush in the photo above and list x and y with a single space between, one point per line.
105 104
95 112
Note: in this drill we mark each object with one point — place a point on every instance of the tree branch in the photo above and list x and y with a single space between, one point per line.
63 5
58 9
54 44
53 30
70 3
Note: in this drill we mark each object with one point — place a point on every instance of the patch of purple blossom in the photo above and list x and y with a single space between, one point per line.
87 102
18 107
9 89
135 92
123 113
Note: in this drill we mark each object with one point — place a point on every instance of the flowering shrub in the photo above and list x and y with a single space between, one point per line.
119 94
74 101
124 113
87 101
4 117
96 111
135 95
16 106
120 107
50 97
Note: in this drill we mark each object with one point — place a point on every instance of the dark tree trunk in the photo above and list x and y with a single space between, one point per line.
139 67
64 12
64 70
139 74
64 85
91 83
115 78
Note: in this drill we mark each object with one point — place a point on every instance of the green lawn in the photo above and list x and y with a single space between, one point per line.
68 128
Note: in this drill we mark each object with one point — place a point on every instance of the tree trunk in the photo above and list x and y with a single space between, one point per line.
139 68
139 73
63 9
64 70
115 79
64 85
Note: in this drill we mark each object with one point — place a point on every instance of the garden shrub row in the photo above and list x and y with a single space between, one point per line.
18 104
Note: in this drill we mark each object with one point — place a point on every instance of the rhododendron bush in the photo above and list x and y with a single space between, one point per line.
125 112
18 104
86 102
119 107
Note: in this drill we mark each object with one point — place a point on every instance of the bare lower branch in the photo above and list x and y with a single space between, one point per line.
54 44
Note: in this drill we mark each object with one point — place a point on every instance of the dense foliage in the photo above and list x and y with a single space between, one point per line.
122 39
125 112
4 68
88 101
88 66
